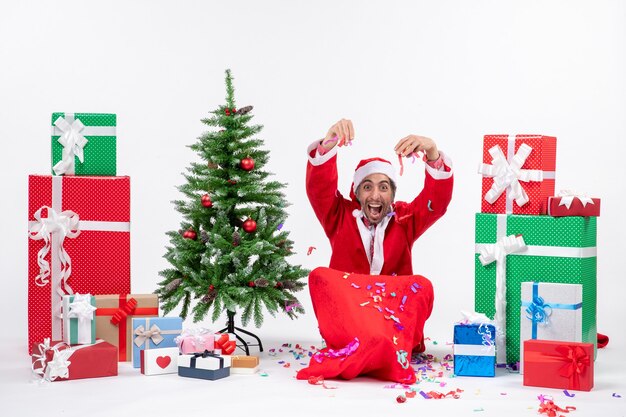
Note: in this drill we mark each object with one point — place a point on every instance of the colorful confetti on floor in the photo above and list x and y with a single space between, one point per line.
435 380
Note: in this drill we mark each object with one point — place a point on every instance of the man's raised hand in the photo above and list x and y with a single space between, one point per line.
341 134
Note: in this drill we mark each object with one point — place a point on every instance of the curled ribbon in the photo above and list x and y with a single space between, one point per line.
73 143
122 313
65 224
483 330
142 335
58 367
538 311
507 175
472 317
568 196
550 409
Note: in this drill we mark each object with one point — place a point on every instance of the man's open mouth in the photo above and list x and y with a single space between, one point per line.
375 209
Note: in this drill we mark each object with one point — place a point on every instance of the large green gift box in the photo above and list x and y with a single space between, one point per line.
83 144
557 250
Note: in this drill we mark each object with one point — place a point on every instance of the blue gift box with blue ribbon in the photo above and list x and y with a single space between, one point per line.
551 311
474 350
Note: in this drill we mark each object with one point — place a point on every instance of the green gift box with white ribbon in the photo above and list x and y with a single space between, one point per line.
84 144
79 319
511 249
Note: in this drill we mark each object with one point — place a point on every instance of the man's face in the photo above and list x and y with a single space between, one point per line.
375 195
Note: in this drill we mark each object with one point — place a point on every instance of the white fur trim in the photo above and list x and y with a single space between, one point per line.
441 174
319 159
376 263
373 167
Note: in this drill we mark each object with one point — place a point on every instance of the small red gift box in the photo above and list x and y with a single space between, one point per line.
57 361
573 205
558 364
518 173
79 229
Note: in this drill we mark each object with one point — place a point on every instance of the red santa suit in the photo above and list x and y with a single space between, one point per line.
350 238
362 339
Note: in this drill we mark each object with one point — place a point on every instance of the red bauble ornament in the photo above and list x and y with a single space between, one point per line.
211 287
247 164
206 201
190 234
227 111
278 285
251 284
249 225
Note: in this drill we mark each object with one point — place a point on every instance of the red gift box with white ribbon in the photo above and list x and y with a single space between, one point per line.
570 203
79 230
58 361
518 173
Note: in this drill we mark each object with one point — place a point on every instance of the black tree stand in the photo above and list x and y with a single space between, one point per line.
230 328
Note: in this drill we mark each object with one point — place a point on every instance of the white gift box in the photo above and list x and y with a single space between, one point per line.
159 361
550 312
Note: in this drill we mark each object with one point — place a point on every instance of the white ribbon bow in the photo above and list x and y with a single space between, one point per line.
142 335
498 252
508 175
65 225
73 143
81 308
568 196
58 367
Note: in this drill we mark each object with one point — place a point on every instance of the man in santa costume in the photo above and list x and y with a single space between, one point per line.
370 233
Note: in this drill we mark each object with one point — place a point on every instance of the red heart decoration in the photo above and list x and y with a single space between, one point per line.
163 361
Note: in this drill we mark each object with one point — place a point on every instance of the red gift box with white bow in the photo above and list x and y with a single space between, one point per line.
518 173
558 364
79 230
58 361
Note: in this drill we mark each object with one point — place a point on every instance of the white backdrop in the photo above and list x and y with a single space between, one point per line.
451 70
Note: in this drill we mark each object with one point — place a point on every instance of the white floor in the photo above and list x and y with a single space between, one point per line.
275 391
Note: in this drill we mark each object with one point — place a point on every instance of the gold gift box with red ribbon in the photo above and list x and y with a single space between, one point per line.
113 318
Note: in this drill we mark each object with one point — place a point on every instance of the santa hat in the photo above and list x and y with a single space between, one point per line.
371 166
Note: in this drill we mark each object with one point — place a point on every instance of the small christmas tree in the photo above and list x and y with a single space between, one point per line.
231 251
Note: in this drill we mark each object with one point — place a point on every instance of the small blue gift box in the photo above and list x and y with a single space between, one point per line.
205 365
474 350
154 332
